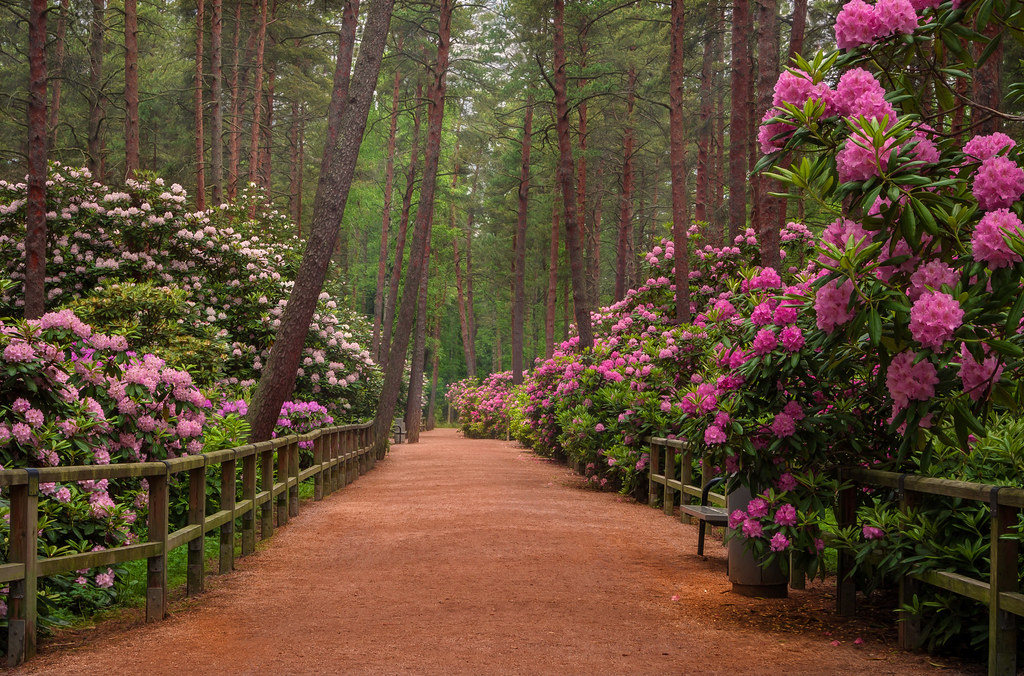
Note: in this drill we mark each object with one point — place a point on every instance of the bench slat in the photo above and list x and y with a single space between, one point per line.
716 516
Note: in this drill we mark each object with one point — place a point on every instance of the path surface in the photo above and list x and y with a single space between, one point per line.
459 556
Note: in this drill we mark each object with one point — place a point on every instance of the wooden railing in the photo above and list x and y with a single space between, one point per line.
340 455
662 472
1001 593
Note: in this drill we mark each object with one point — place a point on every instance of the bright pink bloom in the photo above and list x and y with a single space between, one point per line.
786 482
932 276
785 314
762 314
794 410
854 84
752 528
768 131
779 542
998 184
797 89
831 305
989 241
783 425
873 533
857 24
714 435
792 338
986 147
908 381
764 342
895 17
859 160
757 508
934 317
978 378
737 517
786 515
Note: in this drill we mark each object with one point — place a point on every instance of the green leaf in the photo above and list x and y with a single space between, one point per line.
874 326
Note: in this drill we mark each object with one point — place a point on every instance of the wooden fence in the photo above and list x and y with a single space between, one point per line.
1001 593
340 455
663 471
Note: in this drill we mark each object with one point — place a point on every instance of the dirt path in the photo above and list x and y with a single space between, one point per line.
462 556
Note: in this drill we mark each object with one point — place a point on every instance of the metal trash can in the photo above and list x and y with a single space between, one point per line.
747 576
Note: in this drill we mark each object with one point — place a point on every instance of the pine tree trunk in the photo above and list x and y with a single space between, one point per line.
519 259
463 317
414 404
336 172
257 99
294 194
767 224
235 134
58 53
986 84
97 109
624 248
403 226
385 225
435 362
420 237
131 89
267 132
718 229
216 94
470 306
705 129
739 118
595 237
680 217
796 35
549 319
35 207
566 179
581 168
200 143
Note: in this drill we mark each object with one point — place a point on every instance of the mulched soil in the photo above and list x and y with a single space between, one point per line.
458 556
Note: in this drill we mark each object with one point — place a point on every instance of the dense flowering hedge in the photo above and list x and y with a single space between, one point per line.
896 343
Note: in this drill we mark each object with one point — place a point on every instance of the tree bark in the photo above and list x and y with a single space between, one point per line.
595 240
435 360
739 119
552 299
565 179
463 318
200 143
519 259
235 134
58 54
336 171
403 226
767 224
986 84
796 34
581 168
420 236
131 89
267 130
718 220
343 67
35 207
680 215
470 306
624 249
414 404
385 224
97 112
294 193
216 93
257 98
705 129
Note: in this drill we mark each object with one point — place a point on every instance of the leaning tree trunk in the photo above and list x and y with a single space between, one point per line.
336 171
131 89
198 104
519 259
739 119
566 179
385 223
420 236
35 207
677 151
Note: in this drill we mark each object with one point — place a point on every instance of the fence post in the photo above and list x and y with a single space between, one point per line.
282 477
228 480
249 493
336 465
668 502
293 474
909 627
267 486
1002 626
846 515
686 479
318 460
21 627
652 485
156 566
196 516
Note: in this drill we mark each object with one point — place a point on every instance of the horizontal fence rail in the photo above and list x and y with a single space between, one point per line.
340 454
1001 593
666 479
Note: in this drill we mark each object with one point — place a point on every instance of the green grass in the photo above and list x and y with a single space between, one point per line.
131 585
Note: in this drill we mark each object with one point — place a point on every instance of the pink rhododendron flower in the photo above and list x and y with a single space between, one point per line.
794 410
779 542
786 482
786 515
924 148
757 508
989 241
978 378
857 24
859 160
797 89
998 184
105 580
767 132
785 314
931 276
854 84
752 528
764 342
714 435
762 315
895 17
783 425
934 317
986 147
908 381
873 533
737 517
831 305
19 351
792 338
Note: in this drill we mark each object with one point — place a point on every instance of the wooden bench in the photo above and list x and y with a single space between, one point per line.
398 430
706 514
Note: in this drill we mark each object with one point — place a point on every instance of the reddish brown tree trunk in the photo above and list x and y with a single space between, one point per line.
739 119
595 240
58 54
705 130
470 306
35 207
987 85
463 318
267 131
216 93
97 112
235 134
796 35
257 97
131 89
767 224
336 172
385 224
581 169
519 259
200 143
549 318
294 192
718 228
435 362
421 233
346 47
624 249
565 178
403 226
680 217
414 403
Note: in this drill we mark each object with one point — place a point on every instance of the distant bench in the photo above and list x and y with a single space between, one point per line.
663 485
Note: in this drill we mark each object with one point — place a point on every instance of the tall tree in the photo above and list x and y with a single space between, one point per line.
677 150
519 259
385 223
216 94
97 99
552 297
625 247
739 118
35 207
767 224
414 403
336 171
705 130
200 142
59 48
566 180
131 88
257 96
420 235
